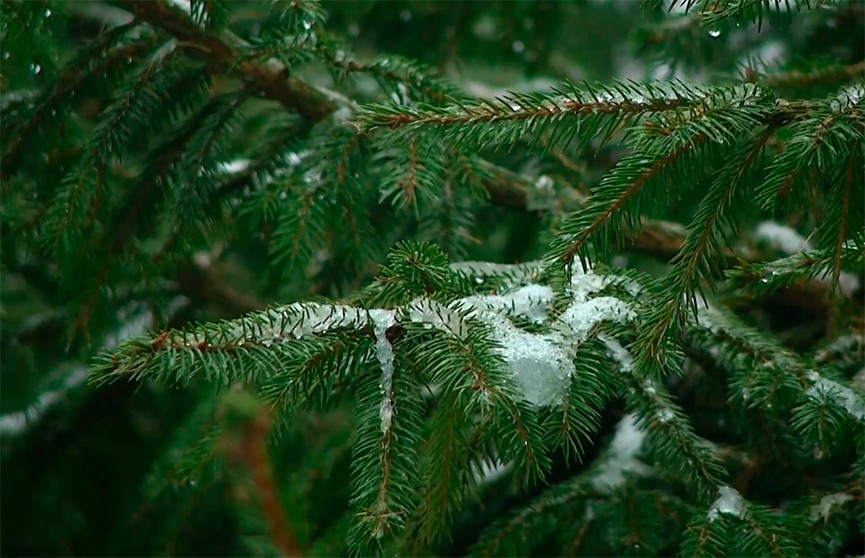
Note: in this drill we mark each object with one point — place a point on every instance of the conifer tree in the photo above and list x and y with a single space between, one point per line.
433 278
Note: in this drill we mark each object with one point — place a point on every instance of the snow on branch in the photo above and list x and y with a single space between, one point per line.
824 389
541 361
621 458
729 503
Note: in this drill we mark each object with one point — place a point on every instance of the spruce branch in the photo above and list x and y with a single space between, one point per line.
109 53
736 526
714 12
807 78
138 206
509 117
394 74
694 260
271 82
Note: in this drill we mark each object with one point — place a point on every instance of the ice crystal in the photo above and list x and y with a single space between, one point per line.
382 320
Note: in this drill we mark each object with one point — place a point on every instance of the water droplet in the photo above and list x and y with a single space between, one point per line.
405 15
36 69
479 280
518 46
307 24
714 33
7 55
48 13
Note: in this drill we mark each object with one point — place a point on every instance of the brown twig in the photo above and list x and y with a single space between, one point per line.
251 450
270 81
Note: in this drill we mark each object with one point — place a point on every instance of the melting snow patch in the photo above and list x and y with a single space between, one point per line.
622 455
619 353
537 362
488 472
730 502
582 316
824 508
824 388
233 167
541 363
781 237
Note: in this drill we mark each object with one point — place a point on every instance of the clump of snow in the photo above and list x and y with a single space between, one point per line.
619 353
824 508
581 317
585 282
543 195
487 472
621 456
848 98
233 167
665 415
730 502
858 379
848 283
342 114
585 313
824 388
781 237
382 320
183 5
542 363
842 344
537 362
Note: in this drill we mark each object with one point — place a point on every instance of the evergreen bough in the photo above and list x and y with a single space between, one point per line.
632 385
